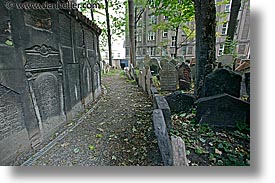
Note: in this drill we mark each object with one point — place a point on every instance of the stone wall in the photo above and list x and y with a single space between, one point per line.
49 71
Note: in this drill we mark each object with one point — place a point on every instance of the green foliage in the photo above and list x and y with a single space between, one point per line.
117 19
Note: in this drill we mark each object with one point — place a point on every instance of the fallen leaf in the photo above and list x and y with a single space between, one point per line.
217 151
91 147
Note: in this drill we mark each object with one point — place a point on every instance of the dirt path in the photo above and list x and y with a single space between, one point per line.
118 132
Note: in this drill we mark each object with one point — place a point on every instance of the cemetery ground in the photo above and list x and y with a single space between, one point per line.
118 132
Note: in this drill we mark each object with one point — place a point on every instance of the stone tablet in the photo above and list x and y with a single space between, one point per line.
180 102
168 77
222 110
222 81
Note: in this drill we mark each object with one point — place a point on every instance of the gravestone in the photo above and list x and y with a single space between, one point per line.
180 102
163 62
164 143
184 75
226 60
222 110
154 66
147 61
148 82
159 102
143 79
222 81
168 77
179 152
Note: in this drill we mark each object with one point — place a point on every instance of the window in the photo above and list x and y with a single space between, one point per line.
151 36
165 34
173 41
118 55
227 8
152 51
139 37
184 50
224 28
189 50
241 49
221 49
164 52
152 19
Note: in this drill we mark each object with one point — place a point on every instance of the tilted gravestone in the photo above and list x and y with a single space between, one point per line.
168 77
222 81
180 102
184 75
222 110
159 102
164 143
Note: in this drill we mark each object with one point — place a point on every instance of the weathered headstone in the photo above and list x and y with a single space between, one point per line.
148 82
143 79
226 60
222 110
163 62
179 152
163 139
180 102
159 102
222 81
184 75
168 77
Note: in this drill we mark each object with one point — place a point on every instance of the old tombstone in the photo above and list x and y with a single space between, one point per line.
154 66
226 60
180 102
184 76
143 79
192 65
159 102
13 133
147 61
222 81
163 62
168 77
179 152
164 143
148 82
222 110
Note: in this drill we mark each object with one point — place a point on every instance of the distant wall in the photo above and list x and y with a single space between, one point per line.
49 71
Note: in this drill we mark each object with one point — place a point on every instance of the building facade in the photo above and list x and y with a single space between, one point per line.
161 43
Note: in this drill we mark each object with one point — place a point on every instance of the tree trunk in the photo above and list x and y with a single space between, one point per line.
205 16
131 11
108 31
232 25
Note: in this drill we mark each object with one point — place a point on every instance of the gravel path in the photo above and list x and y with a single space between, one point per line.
118 132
